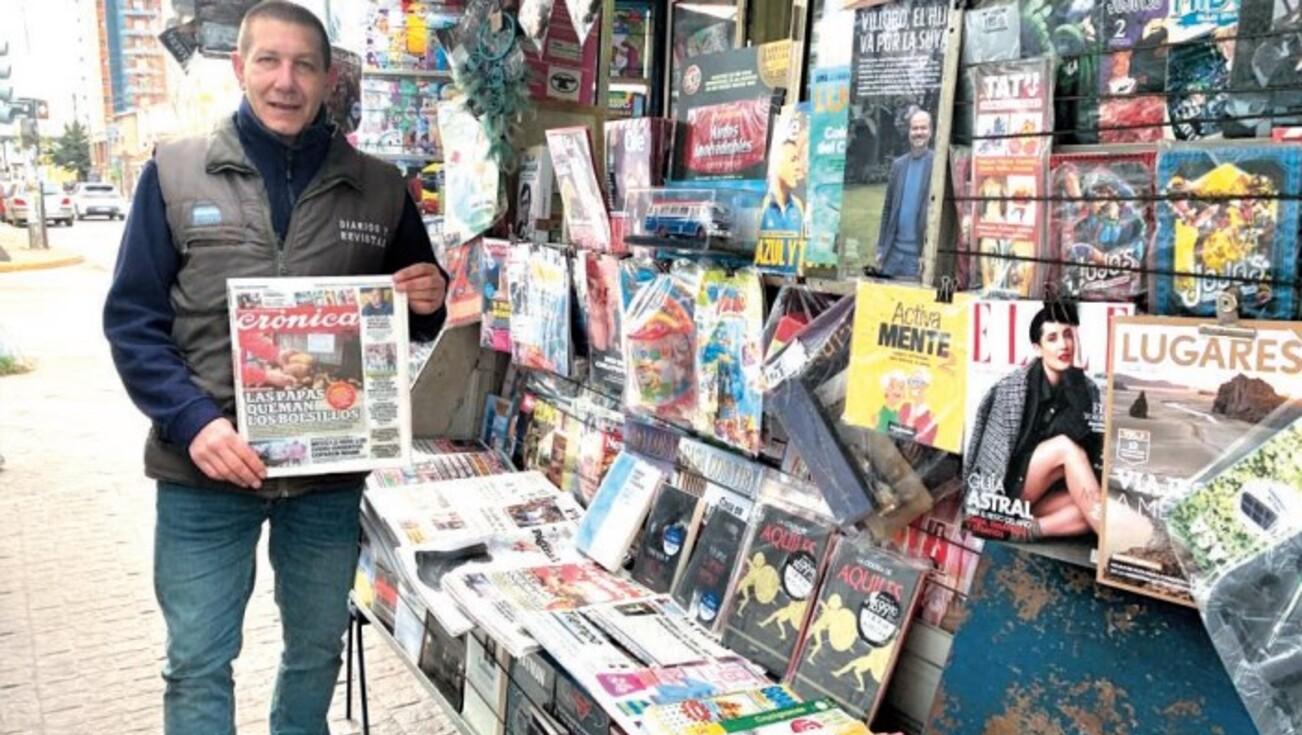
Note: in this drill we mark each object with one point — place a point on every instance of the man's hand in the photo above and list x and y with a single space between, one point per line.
223 455
424 286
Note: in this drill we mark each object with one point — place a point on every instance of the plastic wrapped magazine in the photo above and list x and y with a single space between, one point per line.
471 200
1132 74
729 323
585 205
1197 80
660 347
1103 245
538 279
465 295
598 283
828 120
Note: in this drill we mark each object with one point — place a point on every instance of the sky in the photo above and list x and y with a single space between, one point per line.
42 34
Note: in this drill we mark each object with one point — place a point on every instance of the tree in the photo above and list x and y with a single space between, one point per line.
72 149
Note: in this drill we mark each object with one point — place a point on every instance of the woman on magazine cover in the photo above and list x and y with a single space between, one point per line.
1033 430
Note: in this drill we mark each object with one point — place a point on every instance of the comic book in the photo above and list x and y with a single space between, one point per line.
782 566
320 372
1263 50
1198 83
668 538
1010 160
897 62
828 121
1132 71
495 306
465 289
1178 400
601 274
617 511
1228 216
660 347
637 156
858 626
600 443
538 281
1103 246
1005 371
729 327
908 364
1195 18
585 205
782 233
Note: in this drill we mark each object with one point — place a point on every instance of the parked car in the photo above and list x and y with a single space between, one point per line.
58 206
91 199
6 190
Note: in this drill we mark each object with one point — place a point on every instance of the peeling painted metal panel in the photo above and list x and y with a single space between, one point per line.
1046 651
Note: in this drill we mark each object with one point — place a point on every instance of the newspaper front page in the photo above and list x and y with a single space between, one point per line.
321 368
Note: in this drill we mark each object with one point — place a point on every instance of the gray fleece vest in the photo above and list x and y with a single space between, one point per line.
220 221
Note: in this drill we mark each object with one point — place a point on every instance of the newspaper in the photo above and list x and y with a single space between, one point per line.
459 514
321 369
656 631
568 586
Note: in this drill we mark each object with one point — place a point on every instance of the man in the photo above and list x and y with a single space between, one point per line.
275 190
904 210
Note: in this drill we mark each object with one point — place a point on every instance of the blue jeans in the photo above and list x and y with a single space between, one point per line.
205 546
901 261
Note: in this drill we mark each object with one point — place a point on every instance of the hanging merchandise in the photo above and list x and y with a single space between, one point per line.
660 347
398 35
992 32
470 190
637 156
1132 72
1035 384
783 212
586 220
600 281
1067 35
495 329
908 364
1197 80
1228 216
1179 399
562 66
1010 160
583 14
398 117
533 199
538 279
729 326
489 68
896 67
1101 222
535 17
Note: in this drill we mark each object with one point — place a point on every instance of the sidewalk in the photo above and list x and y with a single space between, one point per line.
13 242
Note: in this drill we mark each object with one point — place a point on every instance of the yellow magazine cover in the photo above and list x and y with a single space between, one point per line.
908 358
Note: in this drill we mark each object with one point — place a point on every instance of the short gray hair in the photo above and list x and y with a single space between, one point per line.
285 12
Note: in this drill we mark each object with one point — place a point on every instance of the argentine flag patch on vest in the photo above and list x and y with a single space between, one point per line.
205 214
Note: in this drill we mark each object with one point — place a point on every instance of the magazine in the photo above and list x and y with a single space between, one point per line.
703 587
828 120
397 117
729 329
459 514
694 716
939 538
818 715
660 347
1103 245
571 586
637 156
1197 84
495 307
320 373
1178 400
465 291
604 312
782 232
782 567
585 205
1132 72
572 635
858 627
1227 210
533 198
908 364
1266 43
1006 370
897 61
538 280
427 469
1010 161
627 695
616 513
656 631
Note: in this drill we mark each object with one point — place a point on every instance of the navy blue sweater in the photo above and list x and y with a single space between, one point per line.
138 311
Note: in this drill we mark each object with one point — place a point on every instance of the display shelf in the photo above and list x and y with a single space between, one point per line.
423 681
409 73
404 157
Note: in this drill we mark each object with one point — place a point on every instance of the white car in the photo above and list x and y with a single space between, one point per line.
98 200
58 206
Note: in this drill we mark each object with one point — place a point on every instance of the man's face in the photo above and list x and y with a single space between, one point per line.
919 131
789 169
376 298
1057 346
283 75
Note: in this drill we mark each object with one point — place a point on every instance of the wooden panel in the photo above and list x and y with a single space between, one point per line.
1045 650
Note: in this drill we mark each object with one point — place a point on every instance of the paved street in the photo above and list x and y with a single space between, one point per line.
80 636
